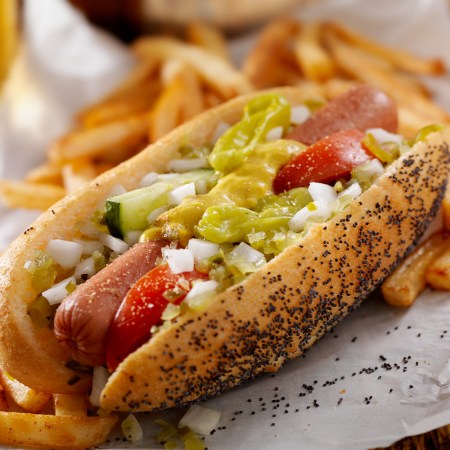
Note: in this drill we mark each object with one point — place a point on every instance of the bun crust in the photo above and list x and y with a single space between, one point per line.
274 315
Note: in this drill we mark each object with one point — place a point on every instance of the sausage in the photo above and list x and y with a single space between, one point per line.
360 108
83 318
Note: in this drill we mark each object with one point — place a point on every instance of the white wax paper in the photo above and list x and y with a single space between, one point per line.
383 373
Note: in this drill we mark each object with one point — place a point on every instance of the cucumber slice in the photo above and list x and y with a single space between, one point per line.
129 211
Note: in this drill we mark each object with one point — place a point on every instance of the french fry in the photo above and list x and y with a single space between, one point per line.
405 284
30 195
3 402
193 102
167 111
120 135
22 395
77 172
265 65
438 273
350 62
314 61
70 405
136 101
45 173
401 59
48 431
216 72
209 38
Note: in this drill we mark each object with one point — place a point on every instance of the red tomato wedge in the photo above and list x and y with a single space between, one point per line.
325 161
142 308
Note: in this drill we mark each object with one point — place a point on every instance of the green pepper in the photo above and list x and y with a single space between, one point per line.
425 131
385 153
260 116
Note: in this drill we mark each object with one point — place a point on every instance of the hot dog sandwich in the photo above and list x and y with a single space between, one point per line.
220 252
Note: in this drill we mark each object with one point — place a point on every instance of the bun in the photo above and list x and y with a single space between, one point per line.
253 327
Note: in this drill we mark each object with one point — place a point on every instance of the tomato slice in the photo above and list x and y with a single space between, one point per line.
325 161
142 308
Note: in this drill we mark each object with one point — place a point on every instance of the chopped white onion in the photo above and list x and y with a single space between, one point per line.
274 134
88 229
65 253
113 243
200 419
321 192
179 260
185 165
382 136
314 209
176 196
371 169
132 237
299 114
354 190
85 267
90 247
57 293
201 287
220 130
132 429
155 213
202 249
149 179
100 377
244 250
116 190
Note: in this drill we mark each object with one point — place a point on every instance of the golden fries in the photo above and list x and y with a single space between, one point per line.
70 404
30 195
48 431
216 72
315 62
209 38
403 60
438 273
404 285
25 397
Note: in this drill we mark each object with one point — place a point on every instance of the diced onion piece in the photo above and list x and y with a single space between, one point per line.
202 249
57 293
179 260
299 114
155 213
132 429
116 190
170 312
90 247
185 165
65 253
382 136
100 377
132 237
176 196
113 243
85 267
220 130
274 134
149 179
201 287
201 187
244 250
321 192
200 419
313 209
354 190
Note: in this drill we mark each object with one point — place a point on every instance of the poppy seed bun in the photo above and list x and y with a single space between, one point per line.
253 327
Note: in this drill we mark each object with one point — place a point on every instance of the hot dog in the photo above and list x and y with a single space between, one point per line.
268 316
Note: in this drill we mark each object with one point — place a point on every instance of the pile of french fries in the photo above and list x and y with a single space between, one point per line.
173 81
36 419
